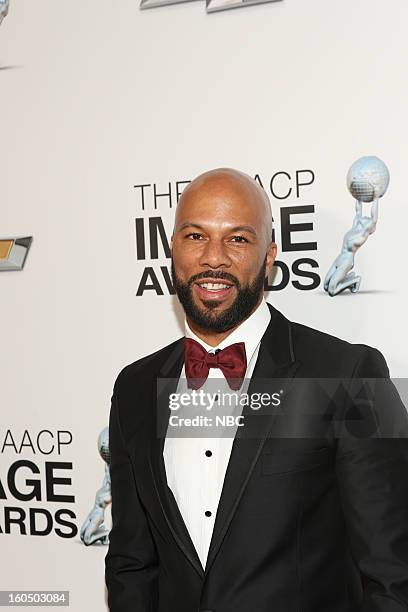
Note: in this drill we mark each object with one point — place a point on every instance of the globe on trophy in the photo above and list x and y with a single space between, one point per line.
4 7
367 181
94 529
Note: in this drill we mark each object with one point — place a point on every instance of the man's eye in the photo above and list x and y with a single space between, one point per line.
194 235
239 239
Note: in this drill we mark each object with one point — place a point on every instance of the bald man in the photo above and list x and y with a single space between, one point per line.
296 504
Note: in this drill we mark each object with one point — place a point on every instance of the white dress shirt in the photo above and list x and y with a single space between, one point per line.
196 478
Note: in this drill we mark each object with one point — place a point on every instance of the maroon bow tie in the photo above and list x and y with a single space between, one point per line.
231 361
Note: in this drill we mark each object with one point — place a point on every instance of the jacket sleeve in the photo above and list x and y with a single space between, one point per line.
372 470
131 563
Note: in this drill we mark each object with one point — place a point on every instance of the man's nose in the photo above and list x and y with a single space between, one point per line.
214 254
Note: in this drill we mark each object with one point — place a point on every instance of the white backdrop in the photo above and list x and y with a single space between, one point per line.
97 97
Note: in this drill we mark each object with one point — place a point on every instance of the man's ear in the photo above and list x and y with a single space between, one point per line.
271 256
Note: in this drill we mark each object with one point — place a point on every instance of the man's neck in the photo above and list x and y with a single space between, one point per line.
214 338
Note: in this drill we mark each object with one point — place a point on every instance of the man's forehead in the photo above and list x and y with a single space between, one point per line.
218 212
220 198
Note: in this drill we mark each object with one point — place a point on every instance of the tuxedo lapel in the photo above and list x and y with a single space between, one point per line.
167 380
275 360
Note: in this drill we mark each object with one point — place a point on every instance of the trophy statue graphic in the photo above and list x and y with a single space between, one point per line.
94 529
367 181
4 7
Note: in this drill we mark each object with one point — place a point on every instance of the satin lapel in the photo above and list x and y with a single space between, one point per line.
167 383
275 360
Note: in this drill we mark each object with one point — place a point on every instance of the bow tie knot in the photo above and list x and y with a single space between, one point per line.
231 361
211 359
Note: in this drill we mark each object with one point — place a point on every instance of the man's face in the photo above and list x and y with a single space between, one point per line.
220 256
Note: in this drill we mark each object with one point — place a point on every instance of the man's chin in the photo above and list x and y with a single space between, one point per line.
206 307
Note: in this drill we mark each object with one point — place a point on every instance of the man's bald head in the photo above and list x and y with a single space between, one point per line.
228 184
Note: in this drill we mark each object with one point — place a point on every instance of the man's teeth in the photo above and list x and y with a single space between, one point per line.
214 286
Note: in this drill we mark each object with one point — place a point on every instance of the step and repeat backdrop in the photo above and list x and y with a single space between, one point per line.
107 111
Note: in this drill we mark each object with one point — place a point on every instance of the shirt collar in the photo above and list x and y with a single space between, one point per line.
249 331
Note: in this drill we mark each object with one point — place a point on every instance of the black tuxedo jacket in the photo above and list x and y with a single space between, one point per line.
304 524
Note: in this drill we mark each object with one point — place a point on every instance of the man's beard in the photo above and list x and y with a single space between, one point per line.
243 305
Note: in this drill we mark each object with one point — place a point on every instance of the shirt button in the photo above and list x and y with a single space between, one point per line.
208 513
208 453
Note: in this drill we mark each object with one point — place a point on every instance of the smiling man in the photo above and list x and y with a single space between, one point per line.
260 519
222 250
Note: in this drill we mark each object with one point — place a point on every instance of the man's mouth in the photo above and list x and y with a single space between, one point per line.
213 290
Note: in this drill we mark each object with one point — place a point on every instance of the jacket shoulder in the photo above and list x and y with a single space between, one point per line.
329 349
